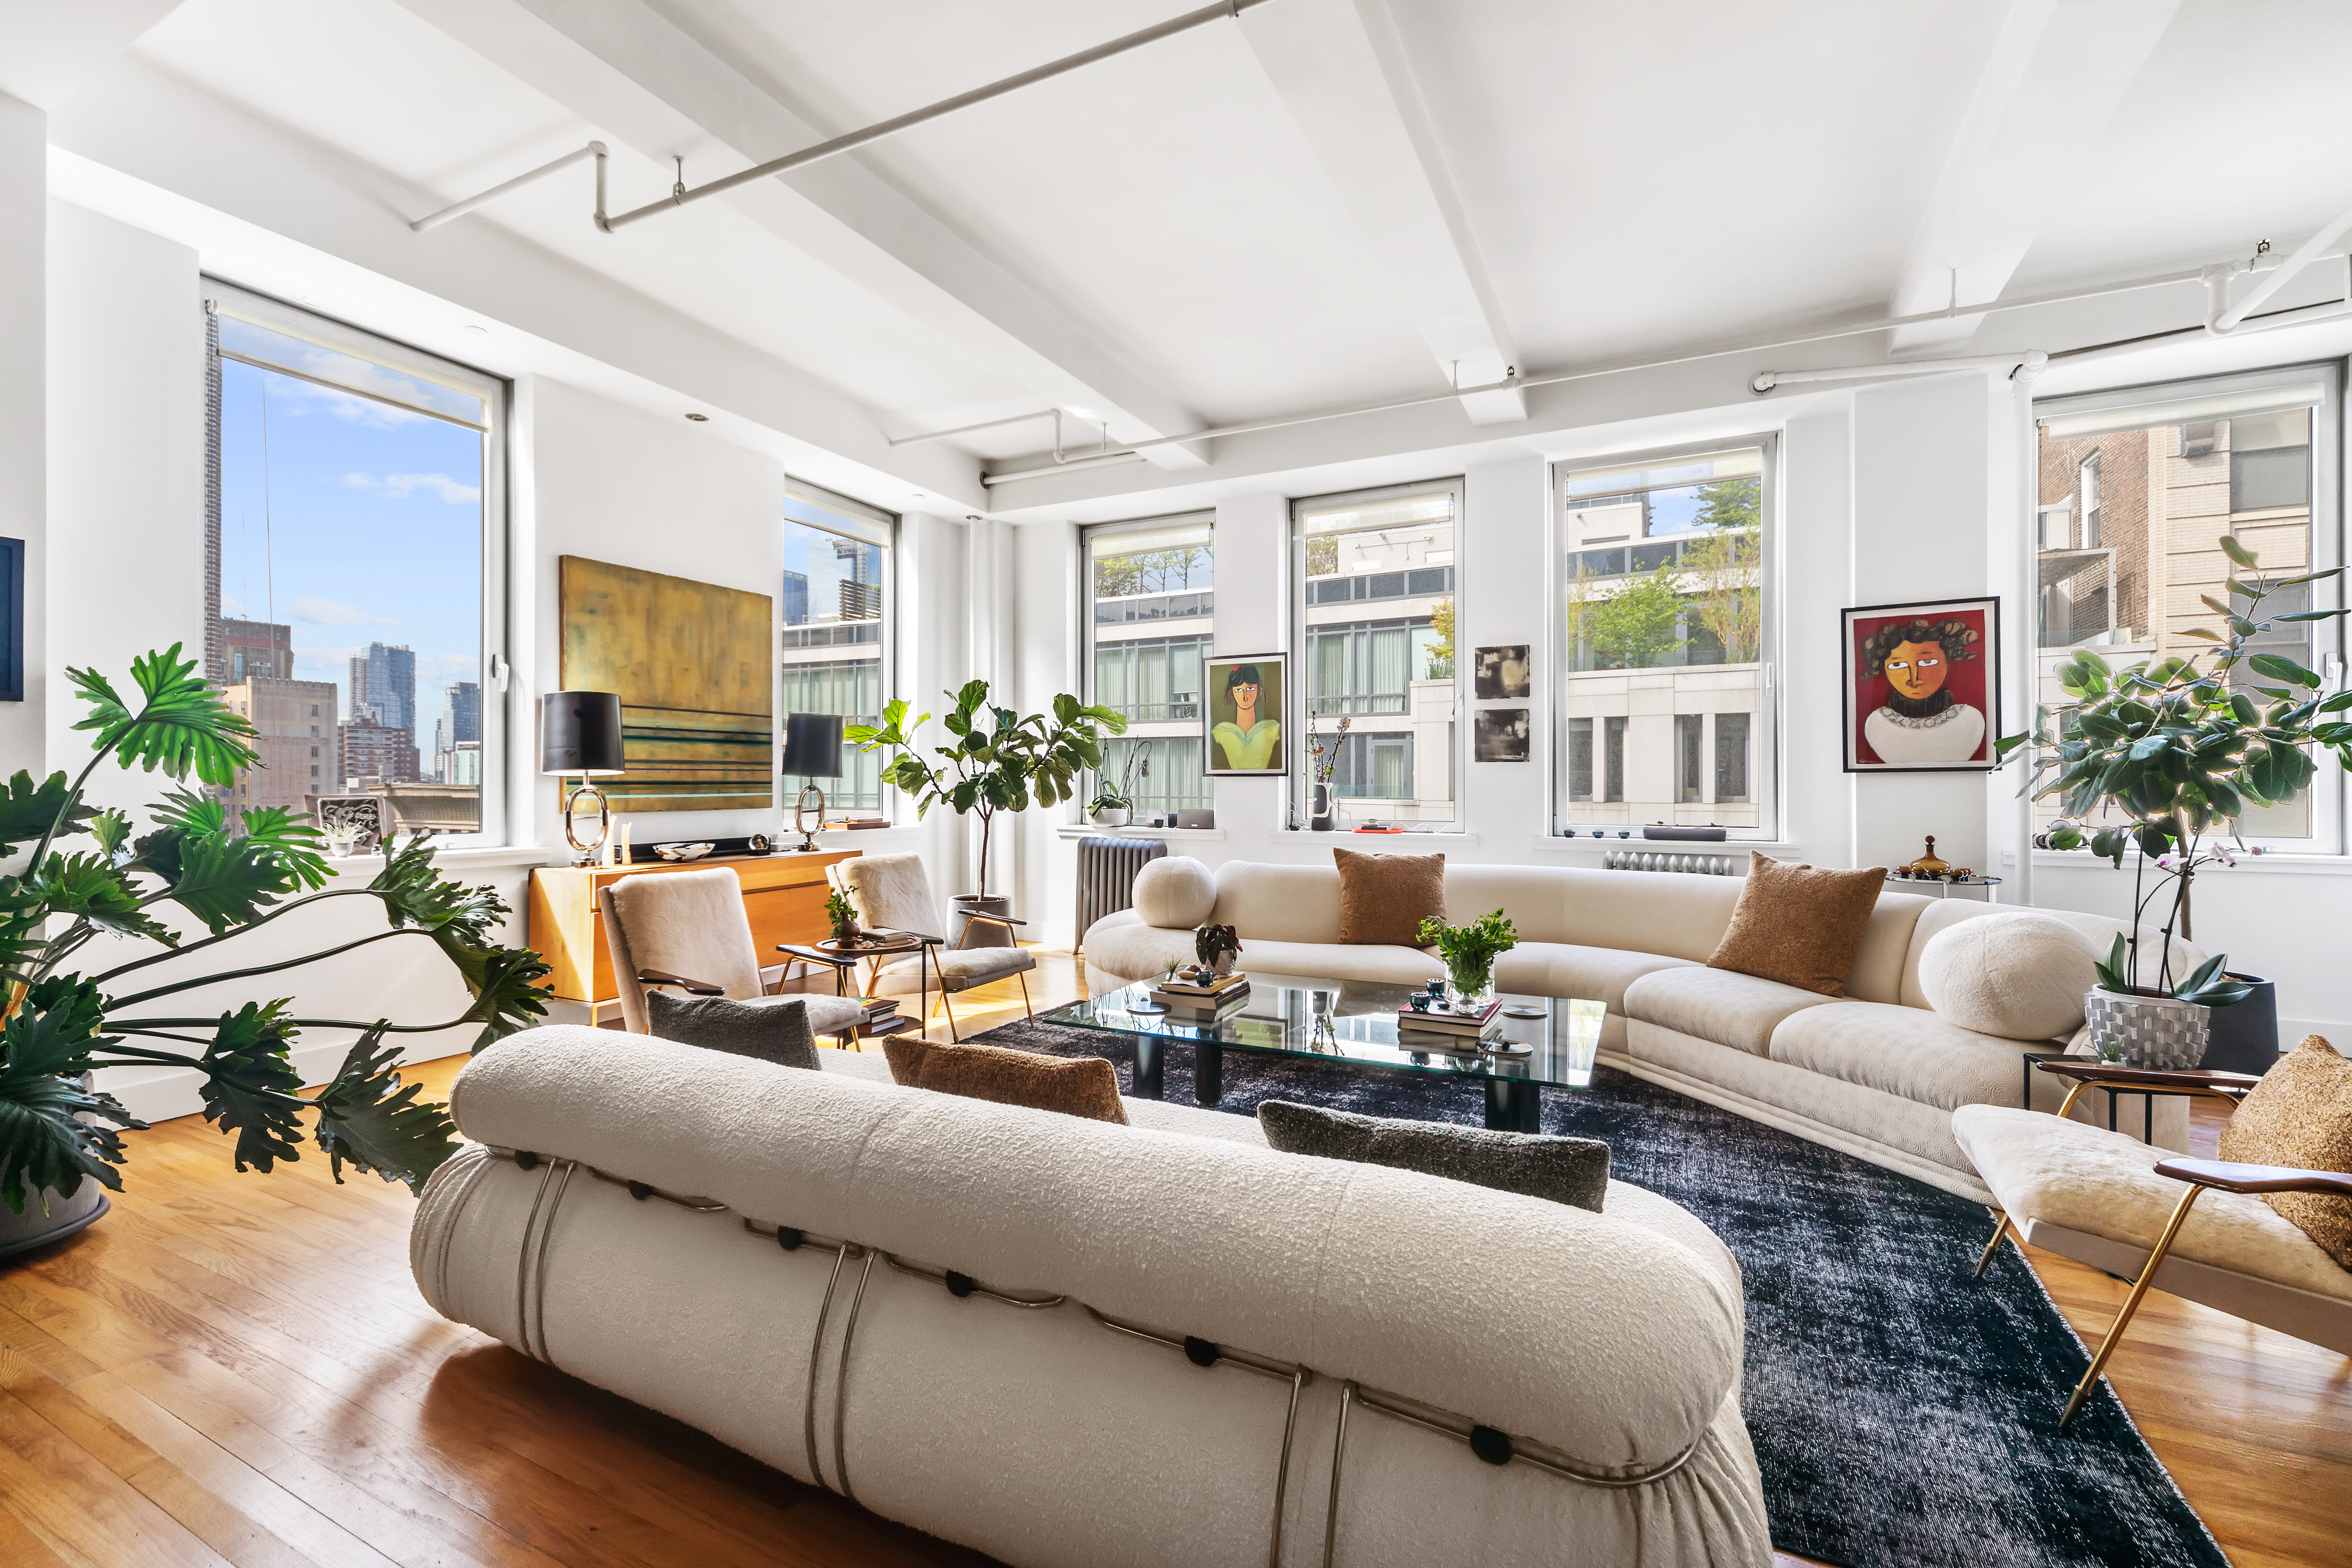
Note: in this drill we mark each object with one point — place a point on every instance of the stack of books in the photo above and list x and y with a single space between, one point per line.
1193 1003
880 1011
1466 1028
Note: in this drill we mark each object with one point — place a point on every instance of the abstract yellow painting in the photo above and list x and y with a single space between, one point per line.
692 663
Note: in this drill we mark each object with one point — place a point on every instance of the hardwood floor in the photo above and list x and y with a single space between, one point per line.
237 1370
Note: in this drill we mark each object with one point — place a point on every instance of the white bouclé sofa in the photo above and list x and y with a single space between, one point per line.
1068 1343
1877 1073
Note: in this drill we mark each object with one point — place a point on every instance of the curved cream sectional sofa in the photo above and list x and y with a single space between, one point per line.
1065 1343
1877 1073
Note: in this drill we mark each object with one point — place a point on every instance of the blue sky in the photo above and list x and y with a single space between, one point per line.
373 530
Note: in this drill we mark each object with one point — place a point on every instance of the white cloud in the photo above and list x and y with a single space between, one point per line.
330 612
399 486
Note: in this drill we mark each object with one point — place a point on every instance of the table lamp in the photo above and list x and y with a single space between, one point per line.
811 751
580 732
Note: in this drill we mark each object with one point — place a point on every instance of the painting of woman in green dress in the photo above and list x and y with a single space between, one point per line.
1245 715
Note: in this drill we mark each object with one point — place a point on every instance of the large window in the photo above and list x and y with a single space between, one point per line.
355 566
1664 633
2136 485
834 621
1374 610
1150 614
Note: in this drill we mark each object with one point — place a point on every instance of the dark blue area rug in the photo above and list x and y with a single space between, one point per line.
1905 1414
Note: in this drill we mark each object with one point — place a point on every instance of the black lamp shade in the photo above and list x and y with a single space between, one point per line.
811 745
580 732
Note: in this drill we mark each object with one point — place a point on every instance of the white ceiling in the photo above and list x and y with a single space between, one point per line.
1163 240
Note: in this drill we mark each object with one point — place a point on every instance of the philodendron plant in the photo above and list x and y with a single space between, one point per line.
64 1023
2172 749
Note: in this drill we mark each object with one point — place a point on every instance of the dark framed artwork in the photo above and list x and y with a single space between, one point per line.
1922 685
1241 719
12 620
1504 672
1501 735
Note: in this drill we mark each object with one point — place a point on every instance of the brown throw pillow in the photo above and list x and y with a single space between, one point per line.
1383 899
2300 1115
1074 1085
1800 925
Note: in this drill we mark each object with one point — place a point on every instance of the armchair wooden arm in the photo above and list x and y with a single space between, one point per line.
975 917
691 987
2233 1177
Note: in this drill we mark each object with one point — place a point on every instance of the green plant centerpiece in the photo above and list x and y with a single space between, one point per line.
67 1018
2161 759
843 914
1470 950
1216 947
998 760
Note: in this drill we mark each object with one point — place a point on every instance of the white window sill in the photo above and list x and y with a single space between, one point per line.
461 859
2272 865
1669 846
1090 830
1439 839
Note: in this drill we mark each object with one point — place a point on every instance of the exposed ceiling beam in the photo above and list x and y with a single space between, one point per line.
1344 74
641 80
48 48
2057 71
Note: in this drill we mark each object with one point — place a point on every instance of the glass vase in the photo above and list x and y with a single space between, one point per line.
1471 984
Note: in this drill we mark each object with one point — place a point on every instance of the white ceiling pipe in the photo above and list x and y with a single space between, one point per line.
1092 460
593 149
2029 360
968 429
2221 321
2239 318
679 195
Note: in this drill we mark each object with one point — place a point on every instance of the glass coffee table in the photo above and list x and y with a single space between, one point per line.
1356 1021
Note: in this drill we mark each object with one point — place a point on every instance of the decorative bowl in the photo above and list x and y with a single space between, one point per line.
683 851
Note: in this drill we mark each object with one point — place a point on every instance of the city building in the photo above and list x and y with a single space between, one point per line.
298 742
256 650
383 688
378 751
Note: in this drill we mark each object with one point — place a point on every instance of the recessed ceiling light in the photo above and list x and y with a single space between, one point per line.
699 418
477 327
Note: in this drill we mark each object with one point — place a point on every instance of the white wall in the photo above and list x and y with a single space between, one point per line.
24 503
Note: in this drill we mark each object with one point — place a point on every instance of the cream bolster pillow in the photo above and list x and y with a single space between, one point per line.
1597 1337
2021 975
1175 891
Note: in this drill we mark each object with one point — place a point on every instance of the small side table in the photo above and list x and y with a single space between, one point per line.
2090 1072
843 958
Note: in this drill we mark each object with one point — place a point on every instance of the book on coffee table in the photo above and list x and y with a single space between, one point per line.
1434 1022
1216 987
1194 1009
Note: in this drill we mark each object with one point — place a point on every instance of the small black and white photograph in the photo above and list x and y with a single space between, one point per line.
1503 673
1501 735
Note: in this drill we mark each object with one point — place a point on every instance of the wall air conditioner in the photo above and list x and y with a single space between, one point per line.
2199 438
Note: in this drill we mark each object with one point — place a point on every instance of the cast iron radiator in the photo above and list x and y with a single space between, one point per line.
1655 860
1106 868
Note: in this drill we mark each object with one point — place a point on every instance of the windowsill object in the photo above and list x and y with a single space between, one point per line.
2277 863
1089 830
1774 846
1372 840
456 859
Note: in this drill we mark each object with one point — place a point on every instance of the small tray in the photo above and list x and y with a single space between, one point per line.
1523 1013
1506 1048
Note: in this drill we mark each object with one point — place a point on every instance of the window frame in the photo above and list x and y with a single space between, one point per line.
1205 516
494 670
2327 649
1766 772
1298 787
844 517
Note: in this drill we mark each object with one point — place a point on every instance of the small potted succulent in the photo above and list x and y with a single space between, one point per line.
1216 947
1470 951
2161 759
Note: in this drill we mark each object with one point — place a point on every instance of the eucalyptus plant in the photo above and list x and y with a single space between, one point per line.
2173 750
1000 760
63 1023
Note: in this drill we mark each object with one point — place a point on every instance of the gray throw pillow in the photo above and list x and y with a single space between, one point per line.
776 1032
1572 1170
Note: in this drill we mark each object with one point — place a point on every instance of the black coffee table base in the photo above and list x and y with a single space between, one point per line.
1513 1104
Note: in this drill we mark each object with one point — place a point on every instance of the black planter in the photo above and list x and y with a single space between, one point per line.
984 933
1322 808
2245 1035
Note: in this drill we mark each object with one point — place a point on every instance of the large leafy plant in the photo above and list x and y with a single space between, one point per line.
998 760
63 1023
2173 750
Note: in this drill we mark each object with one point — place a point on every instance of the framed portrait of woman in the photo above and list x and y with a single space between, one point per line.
1922 686
1241 715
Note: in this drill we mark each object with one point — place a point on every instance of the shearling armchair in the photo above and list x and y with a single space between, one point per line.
893 892
688 929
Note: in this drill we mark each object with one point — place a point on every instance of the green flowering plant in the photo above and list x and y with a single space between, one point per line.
1470 950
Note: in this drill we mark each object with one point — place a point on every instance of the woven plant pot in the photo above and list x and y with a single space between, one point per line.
2162 1032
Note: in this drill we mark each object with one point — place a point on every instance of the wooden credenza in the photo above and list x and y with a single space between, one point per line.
784 898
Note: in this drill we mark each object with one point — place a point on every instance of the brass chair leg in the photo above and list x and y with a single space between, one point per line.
2131 1304
941 973
1032 1012
1991 1247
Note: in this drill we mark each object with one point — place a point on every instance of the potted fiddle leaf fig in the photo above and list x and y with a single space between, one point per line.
91 878
2167 755
997 761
